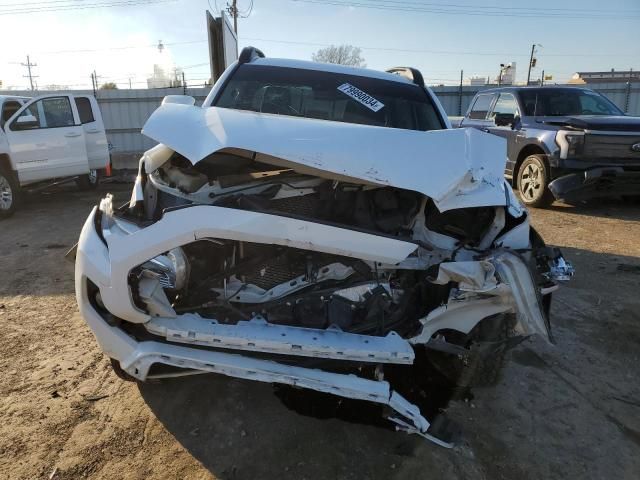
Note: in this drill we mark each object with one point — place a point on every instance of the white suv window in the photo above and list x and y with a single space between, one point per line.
50 113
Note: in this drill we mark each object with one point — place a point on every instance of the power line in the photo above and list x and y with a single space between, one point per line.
125 47
440 52
364 47
469 10
570 11
84 6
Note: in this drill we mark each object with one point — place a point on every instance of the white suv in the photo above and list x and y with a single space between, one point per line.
317 226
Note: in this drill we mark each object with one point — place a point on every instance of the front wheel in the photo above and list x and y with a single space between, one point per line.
533 182
8 193
89 181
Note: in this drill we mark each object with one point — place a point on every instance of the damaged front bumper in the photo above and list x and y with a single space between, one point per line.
596 183
94 262
109 248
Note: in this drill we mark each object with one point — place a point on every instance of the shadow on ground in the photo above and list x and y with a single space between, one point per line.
613 208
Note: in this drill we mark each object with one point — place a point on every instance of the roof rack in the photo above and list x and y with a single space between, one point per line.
249 54
411 73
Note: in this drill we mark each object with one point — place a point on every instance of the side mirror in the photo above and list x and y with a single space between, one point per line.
24 122
504 119
179 99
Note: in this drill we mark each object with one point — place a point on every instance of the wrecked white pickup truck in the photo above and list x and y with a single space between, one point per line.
274 236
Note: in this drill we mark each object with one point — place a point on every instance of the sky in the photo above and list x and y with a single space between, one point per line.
68 39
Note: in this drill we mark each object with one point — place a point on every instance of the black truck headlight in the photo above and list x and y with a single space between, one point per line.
570 142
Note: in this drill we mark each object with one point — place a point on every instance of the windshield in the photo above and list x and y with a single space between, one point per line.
566 101
329 96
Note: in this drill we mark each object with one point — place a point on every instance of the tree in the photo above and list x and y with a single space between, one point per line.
342 55
108 86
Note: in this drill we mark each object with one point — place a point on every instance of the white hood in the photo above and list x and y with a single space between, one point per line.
456 168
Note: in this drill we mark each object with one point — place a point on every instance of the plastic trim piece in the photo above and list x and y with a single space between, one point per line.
259 336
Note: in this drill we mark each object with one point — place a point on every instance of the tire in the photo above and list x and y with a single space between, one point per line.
89 181
533 182
9 193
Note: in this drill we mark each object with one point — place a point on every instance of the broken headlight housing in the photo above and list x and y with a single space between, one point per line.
171 269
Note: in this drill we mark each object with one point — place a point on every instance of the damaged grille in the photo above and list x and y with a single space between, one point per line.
273 272
306 205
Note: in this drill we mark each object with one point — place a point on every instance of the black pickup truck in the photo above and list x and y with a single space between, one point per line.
564 143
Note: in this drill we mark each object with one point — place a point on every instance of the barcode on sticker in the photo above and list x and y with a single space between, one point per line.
360 96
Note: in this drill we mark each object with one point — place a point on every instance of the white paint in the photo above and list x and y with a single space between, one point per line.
140 360
470 276
259 336
456 168
46 153
179 227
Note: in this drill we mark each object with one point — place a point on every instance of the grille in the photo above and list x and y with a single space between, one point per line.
611 148
274 272
306 205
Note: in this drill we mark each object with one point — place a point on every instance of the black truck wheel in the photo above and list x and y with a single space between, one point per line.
89 181
533 182
9 190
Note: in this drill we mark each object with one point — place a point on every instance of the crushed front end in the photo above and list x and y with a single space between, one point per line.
256 266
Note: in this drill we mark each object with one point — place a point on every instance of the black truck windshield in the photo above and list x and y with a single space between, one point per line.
329 96
561 102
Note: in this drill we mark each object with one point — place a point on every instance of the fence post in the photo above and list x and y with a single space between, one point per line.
628 93
460 94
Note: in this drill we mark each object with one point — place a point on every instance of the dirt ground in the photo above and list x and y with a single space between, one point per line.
570 410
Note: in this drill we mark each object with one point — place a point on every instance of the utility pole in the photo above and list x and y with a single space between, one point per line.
233 11
533 50
30 76
94 83
460 94
542 79
184 85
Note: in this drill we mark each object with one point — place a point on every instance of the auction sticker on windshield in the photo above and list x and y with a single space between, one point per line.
360 96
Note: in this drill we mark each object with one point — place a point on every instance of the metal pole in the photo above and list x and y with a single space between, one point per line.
533 48
234 13
29 69
628 93
542 79
29 65
460 94
184 85
94 83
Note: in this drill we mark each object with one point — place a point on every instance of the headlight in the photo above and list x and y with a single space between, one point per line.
570 142
172 269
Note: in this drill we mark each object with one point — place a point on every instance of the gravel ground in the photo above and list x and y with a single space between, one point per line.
570 410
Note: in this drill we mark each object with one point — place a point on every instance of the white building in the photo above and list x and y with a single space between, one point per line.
477 81
163 79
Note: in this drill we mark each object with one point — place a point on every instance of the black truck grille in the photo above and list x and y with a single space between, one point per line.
611 148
